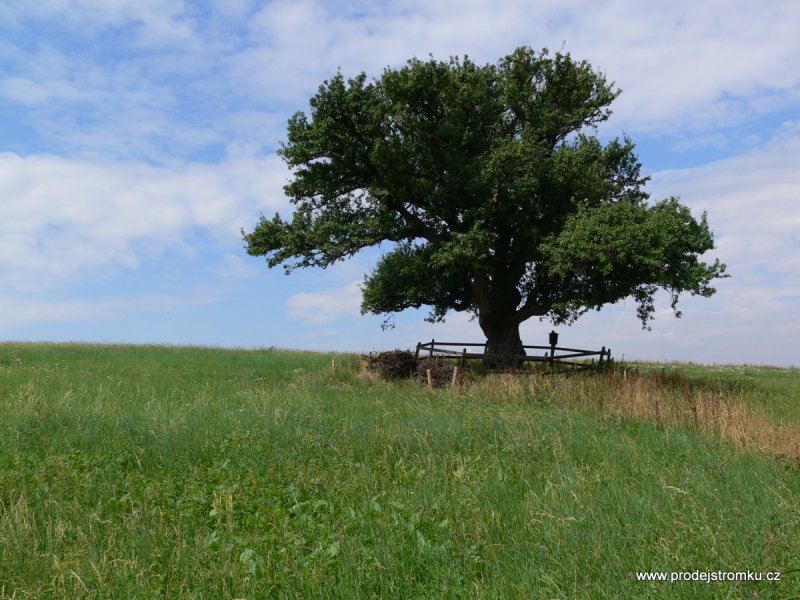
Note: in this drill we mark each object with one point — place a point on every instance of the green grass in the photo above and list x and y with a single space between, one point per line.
143 472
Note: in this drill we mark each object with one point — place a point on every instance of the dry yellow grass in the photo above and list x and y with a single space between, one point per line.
667 400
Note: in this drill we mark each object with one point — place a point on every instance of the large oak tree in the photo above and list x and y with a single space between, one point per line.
499 196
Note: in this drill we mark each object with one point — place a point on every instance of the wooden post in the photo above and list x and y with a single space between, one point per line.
464 358
333 365
455 377
416 354
432 344
430 379
602 353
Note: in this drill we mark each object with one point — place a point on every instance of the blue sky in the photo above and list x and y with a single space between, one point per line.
139 137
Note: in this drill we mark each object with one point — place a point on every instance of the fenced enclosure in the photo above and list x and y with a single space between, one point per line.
553 355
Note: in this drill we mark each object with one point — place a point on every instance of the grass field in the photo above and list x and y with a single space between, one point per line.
144 472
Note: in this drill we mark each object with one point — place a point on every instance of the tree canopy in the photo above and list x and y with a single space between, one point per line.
492 183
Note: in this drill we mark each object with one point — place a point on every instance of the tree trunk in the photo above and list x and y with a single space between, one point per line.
503 339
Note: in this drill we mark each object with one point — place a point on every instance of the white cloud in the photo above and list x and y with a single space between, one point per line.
327 305
752 204
61 218
684 66
692 63
158 21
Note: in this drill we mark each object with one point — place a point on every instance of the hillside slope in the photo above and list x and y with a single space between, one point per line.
136 472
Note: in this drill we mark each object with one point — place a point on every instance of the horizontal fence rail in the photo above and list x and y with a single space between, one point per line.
551 355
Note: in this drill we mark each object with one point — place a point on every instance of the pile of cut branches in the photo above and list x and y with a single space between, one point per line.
393 364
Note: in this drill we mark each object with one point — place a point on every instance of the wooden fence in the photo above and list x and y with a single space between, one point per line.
553 355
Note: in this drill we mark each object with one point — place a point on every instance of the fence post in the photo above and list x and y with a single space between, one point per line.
416 354
430 379
464 358
432 343
455 377
602 353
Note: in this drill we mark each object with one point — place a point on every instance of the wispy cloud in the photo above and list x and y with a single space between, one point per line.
326 305
156 22
681 65
61 218
752 204
685 67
